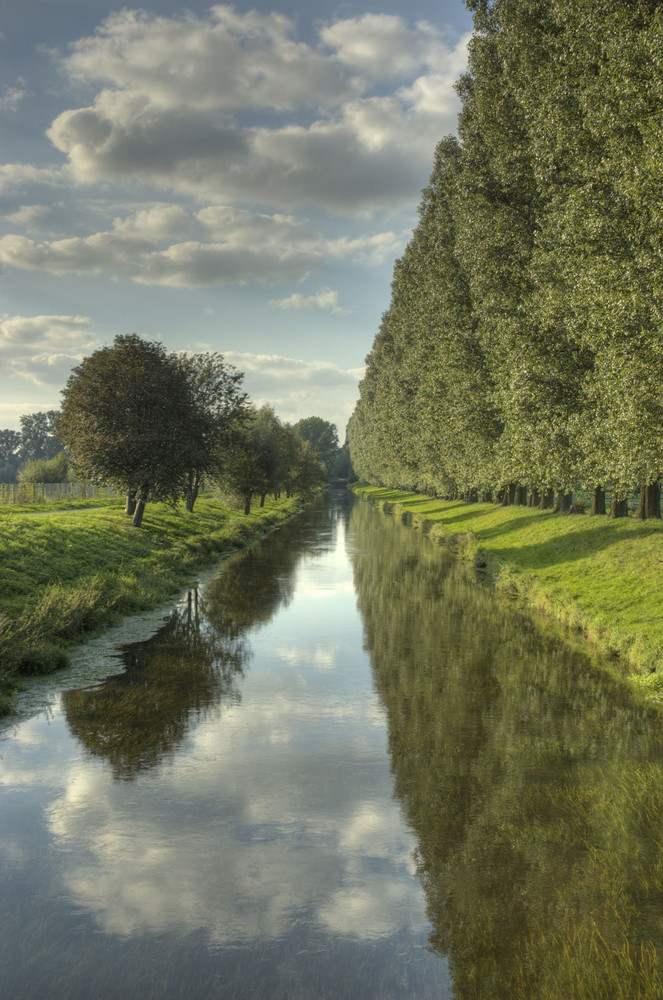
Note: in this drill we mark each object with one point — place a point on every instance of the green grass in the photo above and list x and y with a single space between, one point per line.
65 574
600 576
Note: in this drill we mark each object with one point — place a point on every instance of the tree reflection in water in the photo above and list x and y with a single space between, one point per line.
192 664
533 783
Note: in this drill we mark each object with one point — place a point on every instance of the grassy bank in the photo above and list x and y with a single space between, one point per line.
601 576
66 573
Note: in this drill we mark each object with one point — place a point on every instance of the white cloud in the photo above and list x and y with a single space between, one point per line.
230 60
375 249
170 88
300 389
383 46
21 175
11 97
43 349
25 215
246 247
324 298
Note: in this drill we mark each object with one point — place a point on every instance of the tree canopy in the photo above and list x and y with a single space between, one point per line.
522 348
128 418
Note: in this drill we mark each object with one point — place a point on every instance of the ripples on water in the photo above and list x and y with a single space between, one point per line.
339 769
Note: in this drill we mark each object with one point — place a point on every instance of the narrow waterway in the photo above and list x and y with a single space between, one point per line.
338 769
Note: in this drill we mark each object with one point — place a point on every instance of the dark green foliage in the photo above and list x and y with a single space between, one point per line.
265 456
323 438
220 406
524 342
10 443
129 418
38 436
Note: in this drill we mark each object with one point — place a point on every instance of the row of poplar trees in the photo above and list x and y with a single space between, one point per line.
522 351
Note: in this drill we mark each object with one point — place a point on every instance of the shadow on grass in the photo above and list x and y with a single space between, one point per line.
565 549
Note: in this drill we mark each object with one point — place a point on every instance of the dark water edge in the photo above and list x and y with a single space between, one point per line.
340 768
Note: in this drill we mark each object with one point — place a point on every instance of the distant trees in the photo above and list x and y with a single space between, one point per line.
323 438
522 351
35 442
266 456
38 436
10 443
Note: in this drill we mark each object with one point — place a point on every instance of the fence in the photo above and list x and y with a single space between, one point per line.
43 492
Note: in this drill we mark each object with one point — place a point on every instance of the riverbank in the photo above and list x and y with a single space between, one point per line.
67 573
595 575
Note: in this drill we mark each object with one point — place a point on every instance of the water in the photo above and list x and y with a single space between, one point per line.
337 769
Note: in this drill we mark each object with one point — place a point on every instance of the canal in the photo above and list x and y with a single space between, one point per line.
338 768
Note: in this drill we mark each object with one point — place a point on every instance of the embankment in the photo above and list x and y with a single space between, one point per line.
594 575
66 574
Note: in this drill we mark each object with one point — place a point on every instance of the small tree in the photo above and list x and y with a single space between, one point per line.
128 419
45 470
220 407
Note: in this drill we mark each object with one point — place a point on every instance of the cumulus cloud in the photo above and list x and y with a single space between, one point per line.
25 215
171 88
325 299
43 349
298 388
243 247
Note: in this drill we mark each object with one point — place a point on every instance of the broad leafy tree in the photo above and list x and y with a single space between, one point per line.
128 418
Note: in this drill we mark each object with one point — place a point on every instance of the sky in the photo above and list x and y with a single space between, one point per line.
230 178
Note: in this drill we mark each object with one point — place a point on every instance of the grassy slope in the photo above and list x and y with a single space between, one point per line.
604 576
65 574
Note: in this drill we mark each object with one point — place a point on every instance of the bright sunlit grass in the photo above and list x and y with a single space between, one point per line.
65 574
600 575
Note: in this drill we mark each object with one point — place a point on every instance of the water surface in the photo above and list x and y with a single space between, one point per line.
337 769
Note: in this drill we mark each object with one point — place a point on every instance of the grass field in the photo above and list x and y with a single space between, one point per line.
601 576
66 573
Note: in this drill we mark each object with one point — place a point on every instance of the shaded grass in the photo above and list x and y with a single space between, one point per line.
601 576
66 575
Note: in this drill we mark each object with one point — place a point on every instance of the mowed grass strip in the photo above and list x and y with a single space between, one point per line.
65 574
600 575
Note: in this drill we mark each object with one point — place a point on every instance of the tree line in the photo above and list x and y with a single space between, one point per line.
521 354
158 425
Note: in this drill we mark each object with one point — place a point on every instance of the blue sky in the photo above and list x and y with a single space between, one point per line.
227 178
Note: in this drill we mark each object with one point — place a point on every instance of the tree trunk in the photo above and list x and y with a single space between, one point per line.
520 495
471 496
618 508
138 513
534 498
262 499
563 503
650 500
547 500
598 502
487 496
131 503
247 502
191 497
654 499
